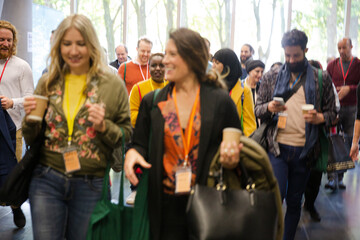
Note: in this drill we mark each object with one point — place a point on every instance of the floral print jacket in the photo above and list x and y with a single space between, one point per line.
94 148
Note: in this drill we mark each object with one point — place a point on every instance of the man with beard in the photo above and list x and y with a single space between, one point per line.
292 136
16 82
137 70
247 51
345 74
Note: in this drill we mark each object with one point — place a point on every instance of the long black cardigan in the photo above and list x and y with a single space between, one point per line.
217 111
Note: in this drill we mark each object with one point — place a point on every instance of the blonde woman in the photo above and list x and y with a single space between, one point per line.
87 108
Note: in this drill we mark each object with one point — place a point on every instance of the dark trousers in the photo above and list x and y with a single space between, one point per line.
312 188
292 174
174 224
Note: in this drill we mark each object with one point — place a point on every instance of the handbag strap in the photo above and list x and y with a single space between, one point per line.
124 73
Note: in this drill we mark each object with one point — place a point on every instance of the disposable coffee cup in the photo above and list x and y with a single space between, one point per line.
38 113
306 108
231 135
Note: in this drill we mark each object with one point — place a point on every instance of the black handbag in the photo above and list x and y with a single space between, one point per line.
15 190
339 159
221 213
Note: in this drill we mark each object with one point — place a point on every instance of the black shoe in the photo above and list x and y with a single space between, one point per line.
315 216
342 185
19 217
331 184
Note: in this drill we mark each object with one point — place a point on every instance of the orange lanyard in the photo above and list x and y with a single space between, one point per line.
342 69
191 121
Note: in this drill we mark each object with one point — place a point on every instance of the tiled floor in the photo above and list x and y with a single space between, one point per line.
340 214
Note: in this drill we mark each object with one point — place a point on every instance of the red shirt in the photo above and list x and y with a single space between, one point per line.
352 79
134 74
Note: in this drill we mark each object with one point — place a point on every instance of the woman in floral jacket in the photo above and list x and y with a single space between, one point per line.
86 118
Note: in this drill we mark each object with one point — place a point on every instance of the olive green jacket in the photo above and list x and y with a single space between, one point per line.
94 148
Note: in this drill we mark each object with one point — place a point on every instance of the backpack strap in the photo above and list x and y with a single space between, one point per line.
242 106
139 92
320 76
124 73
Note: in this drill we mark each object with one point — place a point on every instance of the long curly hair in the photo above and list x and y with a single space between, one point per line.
58 68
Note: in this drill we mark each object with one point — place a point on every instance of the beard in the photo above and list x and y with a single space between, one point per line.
246 59
296 67
6 55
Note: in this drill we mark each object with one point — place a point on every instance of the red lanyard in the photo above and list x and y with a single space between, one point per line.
3 70
191 121
342 69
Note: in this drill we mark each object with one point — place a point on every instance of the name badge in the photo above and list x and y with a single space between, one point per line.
183 180
282 120
71 159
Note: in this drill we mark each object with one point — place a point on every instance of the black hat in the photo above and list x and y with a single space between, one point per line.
254 64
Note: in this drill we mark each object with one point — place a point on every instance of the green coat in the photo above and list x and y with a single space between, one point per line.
94 148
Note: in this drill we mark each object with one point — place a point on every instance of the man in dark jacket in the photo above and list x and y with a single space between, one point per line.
121 56
293 137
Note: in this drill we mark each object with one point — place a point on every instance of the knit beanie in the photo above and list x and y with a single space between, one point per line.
254 64
231 63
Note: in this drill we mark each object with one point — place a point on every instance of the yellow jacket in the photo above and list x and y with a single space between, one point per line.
249 122
138 92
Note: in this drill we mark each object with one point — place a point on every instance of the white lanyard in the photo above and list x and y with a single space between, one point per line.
147 71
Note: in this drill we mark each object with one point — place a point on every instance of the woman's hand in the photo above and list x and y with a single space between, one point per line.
29 105
230 154
133 158
354 151
96 116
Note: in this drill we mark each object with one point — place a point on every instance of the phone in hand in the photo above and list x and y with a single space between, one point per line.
279 100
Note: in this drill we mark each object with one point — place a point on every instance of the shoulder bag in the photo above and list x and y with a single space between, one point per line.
15 191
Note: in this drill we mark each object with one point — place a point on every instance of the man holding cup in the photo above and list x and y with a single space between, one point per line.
293 137
16 82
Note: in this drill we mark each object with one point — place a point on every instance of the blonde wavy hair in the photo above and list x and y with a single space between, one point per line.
9 26
58 68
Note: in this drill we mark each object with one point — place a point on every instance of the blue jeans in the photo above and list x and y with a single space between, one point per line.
292 175
60 206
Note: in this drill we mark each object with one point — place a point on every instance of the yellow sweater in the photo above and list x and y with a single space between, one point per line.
248 110
138 92
76 85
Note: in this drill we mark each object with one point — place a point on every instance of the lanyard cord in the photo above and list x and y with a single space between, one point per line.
296 80
342 69
147 71
71 116
2 73
191 121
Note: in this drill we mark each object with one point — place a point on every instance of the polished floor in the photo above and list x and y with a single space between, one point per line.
340 214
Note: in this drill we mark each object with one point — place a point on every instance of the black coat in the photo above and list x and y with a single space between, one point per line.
114 64
217 112
7 143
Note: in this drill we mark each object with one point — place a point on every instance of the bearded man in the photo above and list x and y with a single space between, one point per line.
292 135
16 82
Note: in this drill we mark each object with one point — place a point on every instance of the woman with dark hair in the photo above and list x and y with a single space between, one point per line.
227 64
255 70
186 118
